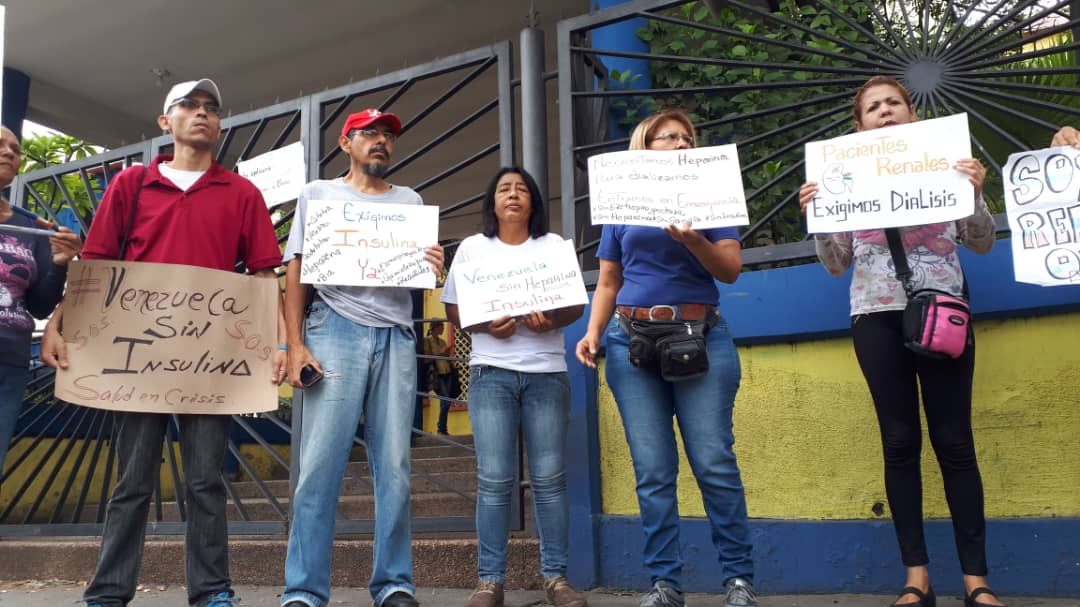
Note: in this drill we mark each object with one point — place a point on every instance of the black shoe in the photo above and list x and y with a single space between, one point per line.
295 604
969 599
926 599
400 599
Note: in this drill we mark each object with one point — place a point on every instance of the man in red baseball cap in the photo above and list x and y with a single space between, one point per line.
366 118
360 339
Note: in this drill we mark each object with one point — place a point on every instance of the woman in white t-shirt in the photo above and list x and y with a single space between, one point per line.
517 380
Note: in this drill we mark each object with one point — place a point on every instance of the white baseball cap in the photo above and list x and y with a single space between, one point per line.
185 88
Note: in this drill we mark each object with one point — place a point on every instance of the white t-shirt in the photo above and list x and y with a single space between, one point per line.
525 350
183 179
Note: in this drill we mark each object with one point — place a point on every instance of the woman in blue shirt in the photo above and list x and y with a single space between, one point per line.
649 273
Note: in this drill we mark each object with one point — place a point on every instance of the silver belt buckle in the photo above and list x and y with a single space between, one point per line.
674 311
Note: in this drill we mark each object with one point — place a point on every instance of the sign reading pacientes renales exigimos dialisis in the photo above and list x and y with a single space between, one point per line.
167 338
699 186
889 177
369 244
1042 201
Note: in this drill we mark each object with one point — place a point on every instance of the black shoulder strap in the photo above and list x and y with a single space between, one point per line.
899 258
900 264
131 217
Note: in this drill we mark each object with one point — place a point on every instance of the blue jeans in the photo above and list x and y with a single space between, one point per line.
703 408
139 437
501 402
12 386
369 371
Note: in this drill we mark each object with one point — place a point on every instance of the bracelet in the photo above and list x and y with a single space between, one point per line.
283 347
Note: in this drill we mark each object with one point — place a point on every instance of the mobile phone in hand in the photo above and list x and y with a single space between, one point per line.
309 376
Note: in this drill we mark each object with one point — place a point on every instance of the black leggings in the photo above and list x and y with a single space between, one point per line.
891 370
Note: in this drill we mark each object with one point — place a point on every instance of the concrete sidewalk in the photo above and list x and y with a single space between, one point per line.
67 594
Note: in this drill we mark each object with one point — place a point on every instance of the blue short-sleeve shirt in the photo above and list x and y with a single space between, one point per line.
656 269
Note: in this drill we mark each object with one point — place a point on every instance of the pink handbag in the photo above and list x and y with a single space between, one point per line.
936 324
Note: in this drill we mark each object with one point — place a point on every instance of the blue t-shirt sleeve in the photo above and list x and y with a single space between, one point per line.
610 243
717 234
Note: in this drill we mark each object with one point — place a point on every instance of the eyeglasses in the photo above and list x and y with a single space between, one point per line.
674 138
369 133
193 104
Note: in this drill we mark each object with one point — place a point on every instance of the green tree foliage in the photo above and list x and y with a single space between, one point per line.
792 73
50 149
771 109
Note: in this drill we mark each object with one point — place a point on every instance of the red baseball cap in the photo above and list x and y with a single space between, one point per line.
370 116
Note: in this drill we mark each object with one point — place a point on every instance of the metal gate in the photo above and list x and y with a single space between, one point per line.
772 76
458 129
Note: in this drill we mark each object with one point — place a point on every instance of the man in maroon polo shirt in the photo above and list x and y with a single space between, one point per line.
188 210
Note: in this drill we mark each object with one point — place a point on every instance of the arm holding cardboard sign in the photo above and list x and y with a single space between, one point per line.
53 348
280 356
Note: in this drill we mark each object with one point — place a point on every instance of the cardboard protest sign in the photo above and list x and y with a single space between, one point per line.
517 284
897 176
279 174
165 338
369 243
1041 193
702 186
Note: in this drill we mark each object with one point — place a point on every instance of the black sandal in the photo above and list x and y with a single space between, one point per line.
926 599
969 599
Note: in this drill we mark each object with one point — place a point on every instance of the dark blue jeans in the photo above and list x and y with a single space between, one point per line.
203 440
503 403
12 385
703 409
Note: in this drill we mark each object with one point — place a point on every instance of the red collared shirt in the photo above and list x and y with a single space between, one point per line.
219 220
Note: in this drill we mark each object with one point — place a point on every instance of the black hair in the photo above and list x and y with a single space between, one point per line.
536 204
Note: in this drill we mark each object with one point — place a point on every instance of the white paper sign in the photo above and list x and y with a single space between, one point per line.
540 280
279 174
1042 190
369 244
702 186
896 176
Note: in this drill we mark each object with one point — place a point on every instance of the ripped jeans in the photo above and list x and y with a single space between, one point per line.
369 371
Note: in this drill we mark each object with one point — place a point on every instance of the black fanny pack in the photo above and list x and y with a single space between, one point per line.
674 348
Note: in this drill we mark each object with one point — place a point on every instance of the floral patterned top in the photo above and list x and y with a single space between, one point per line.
931 254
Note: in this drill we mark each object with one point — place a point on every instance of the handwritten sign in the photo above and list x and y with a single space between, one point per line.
369 243
702 186
541 279
1041 193
164 338
279 174
897 176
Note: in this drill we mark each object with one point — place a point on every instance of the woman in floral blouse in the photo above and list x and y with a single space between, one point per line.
895 374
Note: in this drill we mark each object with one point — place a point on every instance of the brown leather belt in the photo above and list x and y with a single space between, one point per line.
668 312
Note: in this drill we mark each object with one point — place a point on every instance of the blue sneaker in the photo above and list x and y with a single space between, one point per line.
226 598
